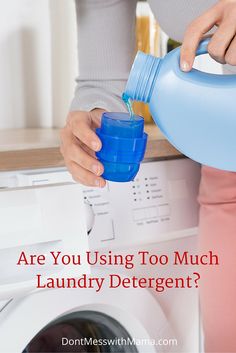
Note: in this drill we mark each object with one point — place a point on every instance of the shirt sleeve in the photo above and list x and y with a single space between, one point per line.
106 49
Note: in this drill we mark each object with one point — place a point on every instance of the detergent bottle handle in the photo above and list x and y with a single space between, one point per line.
202 48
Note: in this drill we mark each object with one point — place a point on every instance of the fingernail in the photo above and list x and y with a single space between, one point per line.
95 145
185 66
97 183
102 184
96 169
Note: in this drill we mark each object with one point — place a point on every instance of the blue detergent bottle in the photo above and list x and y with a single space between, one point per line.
123 145
195 110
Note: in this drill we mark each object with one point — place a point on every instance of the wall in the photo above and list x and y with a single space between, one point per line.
38 62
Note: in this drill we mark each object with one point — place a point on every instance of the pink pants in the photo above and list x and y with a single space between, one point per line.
218 283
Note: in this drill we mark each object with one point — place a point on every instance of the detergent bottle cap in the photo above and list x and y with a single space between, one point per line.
123 145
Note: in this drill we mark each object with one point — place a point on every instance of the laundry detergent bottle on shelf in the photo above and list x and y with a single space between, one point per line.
195 110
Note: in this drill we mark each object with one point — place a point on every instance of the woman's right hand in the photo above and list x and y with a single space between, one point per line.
79 143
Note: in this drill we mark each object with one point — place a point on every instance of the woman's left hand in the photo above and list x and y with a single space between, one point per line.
222 46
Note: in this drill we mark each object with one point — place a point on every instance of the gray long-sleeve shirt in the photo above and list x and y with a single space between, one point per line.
106 45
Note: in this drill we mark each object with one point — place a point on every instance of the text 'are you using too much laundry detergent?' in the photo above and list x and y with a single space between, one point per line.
195 110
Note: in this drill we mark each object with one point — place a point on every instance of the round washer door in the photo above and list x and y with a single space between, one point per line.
134 312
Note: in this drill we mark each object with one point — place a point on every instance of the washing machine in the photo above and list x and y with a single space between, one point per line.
43 210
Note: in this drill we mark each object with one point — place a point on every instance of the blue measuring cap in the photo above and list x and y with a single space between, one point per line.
123 145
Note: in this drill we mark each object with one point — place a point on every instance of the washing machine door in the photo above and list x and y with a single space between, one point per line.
52 320
35 221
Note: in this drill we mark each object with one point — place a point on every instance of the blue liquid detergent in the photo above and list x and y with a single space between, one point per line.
128 102
195 110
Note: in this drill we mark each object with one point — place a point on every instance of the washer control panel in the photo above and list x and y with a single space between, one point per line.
159 205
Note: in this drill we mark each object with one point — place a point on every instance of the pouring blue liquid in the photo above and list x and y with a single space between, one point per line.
128 102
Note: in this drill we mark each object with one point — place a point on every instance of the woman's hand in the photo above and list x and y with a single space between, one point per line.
79 143
222 46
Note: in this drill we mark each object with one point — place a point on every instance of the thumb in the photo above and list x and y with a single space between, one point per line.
96 116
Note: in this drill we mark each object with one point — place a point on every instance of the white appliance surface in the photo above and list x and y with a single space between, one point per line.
157 212
160 204
36 220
